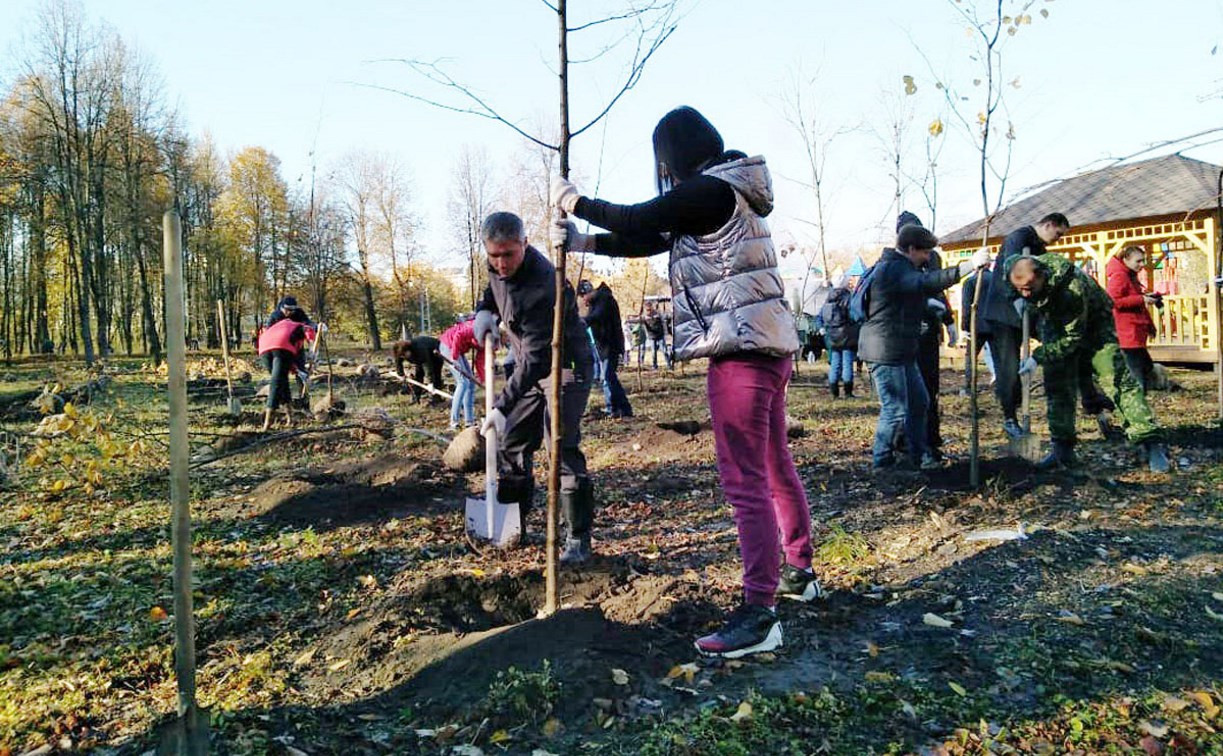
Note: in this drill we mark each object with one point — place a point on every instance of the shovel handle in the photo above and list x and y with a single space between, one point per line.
1026 380
490 438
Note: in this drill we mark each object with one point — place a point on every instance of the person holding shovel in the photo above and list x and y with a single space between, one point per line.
290 310
730 307
280 346
1077 334
456 342
425 354
521 293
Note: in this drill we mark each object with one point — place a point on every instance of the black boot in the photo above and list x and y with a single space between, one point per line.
835 390
518 489
849 390
577 509
1062 455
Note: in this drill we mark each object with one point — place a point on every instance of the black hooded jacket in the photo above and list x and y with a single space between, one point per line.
603 317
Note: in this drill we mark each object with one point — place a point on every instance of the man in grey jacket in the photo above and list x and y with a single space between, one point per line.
895 307
522 292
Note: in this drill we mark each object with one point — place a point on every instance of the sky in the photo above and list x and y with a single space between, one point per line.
307 79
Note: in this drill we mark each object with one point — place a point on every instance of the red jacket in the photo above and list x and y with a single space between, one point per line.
284 334
459 339
1130 312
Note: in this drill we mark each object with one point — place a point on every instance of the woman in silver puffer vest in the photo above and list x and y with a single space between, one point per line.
730 308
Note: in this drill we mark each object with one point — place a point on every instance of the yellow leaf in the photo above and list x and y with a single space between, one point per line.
934 620
874 676
959 689
1134 569
872 649
341 664
619 677
910 85
1208 704
500 736
742 713
1174 704
58 486
1071 618
305 658
552 728
70 409
157 614
936 127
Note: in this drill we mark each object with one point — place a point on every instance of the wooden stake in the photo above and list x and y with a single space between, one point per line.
229 384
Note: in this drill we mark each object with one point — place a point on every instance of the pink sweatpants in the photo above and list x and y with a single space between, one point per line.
747 400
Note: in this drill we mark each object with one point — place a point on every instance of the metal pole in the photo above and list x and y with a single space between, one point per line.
184 619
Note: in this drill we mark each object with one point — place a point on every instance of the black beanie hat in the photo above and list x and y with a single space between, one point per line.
907 218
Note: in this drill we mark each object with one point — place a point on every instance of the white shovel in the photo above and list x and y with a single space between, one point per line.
488 519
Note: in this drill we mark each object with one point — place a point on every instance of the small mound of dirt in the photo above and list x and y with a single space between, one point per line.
352 492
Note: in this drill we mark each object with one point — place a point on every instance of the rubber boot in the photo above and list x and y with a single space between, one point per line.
1157 457
520 490
849 390
577 508
1062 455
835 390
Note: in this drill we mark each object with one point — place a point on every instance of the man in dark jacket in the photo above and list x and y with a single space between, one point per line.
521 292
1003 314
603 319
425 354
967 291
656 330
895 307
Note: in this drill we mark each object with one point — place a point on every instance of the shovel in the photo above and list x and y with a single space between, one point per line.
1026 446
488 519
235 405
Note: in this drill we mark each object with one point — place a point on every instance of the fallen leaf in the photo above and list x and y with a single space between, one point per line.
369 717
1151 746
619 677
1070 618
157 614
306 657
959 689
500 736
872 649
1208 704
368 581
934 620
552 728
1134 569
341 664
876 676
1213 614
1155 729
1217 596
687 671
1174 704
743 712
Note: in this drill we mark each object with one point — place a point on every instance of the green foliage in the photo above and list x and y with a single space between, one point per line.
521 696
843 548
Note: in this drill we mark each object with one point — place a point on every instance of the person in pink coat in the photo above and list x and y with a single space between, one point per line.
456 342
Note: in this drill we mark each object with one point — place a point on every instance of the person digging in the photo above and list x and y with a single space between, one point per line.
1077 333
522 292
280 347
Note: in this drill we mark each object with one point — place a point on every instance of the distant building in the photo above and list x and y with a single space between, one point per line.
1167 205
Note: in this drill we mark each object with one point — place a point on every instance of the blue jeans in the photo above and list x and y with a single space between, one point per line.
464 393
902 404
841 366
614 395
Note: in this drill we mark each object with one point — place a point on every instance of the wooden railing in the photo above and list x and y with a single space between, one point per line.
1183 321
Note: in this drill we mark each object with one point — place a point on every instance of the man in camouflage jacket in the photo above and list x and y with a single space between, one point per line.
1077 334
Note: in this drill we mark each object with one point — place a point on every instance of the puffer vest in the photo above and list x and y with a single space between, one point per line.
727 294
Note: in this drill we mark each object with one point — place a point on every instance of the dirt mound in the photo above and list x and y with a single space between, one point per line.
353 492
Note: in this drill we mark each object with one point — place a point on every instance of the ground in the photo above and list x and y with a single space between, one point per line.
341 609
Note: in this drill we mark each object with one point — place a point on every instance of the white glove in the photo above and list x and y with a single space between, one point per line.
1027 366
980 259
564 195
1021 306
564 233
495 422
953 335
485 324
935 307
303 376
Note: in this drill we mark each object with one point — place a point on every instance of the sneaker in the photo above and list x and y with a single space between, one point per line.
798 584
930 462
750 629
576 551
1011 426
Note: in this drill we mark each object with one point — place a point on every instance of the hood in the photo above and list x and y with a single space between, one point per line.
750 177
1116 266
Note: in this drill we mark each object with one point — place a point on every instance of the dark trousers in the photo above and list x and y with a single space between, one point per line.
434 366
613 390
1004 347
971 363
927 363
279 362
1140 365
528 425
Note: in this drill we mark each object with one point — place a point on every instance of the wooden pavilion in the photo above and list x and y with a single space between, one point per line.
1168 205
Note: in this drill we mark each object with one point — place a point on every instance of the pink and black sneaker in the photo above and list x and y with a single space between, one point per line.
750 629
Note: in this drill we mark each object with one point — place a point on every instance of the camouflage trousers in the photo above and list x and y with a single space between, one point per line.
1116 381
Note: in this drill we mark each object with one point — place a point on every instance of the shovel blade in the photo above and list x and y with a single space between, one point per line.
505 519
1026 447
235 406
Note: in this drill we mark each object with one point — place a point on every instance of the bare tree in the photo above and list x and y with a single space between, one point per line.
470 201
359 185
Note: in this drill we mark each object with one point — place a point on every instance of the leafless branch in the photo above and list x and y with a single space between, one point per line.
636 69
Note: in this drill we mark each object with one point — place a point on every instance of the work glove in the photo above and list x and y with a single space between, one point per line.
953 335
936 307
564 195
980 259
485 324
564 233
1021 306
495 422
1027 366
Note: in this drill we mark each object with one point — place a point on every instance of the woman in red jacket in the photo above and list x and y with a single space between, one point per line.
279 345
1130 310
